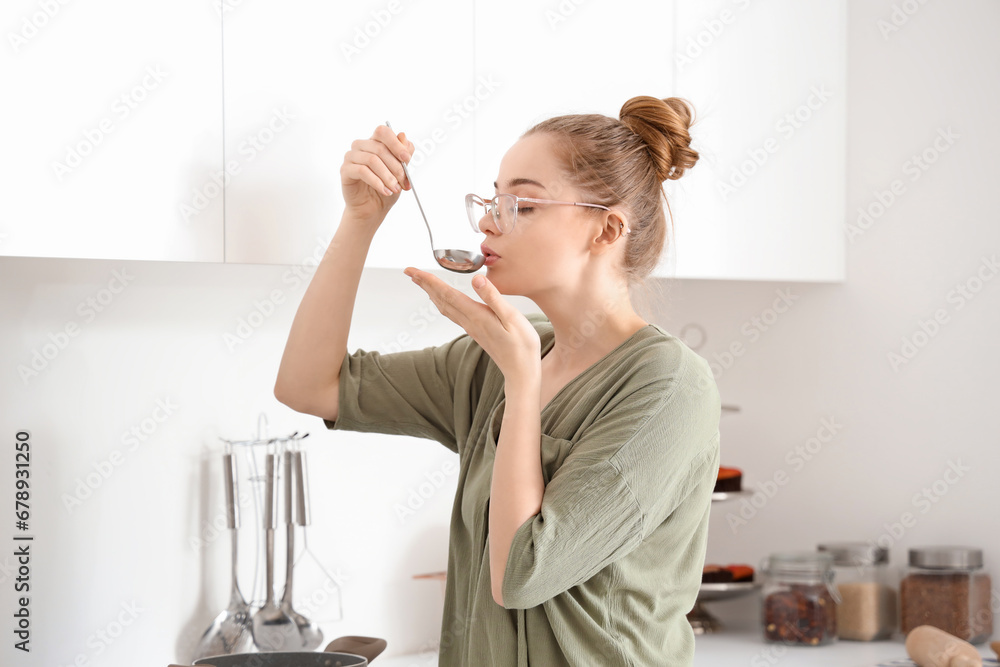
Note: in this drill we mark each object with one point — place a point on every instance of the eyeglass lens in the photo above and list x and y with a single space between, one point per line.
502 207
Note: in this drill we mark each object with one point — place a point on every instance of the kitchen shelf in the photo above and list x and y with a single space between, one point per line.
719 496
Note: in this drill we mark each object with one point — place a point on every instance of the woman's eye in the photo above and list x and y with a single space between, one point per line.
525 209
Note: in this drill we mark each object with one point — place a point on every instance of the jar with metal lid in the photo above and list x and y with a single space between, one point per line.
867 588
800 600
948 588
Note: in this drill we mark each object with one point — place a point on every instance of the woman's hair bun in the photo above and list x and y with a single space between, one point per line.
663 125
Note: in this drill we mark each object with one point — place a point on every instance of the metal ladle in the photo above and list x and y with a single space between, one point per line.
311 635
230 633
459 261
273 629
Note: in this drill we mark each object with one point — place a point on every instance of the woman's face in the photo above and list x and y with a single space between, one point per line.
550 244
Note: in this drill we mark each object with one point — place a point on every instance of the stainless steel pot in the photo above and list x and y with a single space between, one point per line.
351 651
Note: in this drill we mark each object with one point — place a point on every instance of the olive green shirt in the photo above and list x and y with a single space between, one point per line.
606 572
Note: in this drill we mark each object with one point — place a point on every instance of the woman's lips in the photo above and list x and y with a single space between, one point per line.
487 251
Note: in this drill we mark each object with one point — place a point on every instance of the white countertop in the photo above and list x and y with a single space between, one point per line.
746 646
414 660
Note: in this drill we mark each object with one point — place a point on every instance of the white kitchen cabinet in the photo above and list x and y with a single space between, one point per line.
766 200
112 120
303 80
551 59
130 119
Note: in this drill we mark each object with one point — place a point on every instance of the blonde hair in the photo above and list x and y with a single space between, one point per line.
623 163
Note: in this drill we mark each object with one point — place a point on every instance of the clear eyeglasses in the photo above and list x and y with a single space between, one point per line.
504 209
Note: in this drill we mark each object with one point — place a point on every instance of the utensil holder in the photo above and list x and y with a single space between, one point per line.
317 593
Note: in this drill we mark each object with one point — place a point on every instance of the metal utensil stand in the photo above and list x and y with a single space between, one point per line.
251 456
703 622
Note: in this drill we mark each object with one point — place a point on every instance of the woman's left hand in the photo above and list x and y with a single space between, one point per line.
499 328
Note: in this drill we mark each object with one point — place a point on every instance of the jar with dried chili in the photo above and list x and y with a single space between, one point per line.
800 600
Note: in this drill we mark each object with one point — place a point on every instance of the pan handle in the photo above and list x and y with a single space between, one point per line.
367 647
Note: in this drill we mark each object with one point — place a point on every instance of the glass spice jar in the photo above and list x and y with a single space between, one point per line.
800 602
948 588
867 610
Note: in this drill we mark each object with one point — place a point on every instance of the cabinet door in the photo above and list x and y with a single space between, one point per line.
303 80
549 59
113 123
766 200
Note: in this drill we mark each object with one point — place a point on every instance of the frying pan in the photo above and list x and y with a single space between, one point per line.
348 651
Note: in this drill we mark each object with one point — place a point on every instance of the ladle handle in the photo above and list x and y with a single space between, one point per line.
301 489
287 461
270 513
232 512
414 191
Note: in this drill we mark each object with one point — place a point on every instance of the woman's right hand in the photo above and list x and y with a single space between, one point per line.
372 166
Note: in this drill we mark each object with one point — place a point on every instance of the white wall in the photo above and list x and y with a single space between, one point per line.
162 338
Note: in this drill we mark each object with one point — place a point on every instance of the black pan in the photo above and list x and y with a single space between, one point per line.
341 652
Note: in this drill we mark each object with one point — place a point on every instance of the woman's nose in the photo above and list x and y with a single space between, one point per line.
487 225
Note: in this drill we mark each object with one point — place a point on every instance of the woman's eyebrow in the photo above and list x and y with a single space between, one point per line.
519 181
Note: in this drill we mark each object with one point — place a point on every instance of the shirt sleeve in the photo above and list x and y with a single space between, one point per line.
628 472
426 393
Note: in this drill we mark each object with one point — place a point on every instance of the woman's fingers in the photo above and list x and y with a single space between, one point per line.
388 138
398 145
361 172
491 296
378 161
453 304
377 158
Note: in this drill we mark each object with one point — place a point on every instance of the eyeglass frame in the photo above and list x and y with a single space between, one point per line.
493 204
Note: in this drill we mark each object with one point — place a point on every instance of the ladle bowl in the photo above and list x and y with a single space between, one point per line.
459 261
230 632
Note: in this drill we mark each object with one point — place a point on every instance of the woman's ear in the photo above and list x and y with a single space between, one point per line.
615 227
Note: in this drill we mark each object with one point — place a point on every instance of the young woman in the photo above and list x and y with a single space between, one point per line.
588 438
